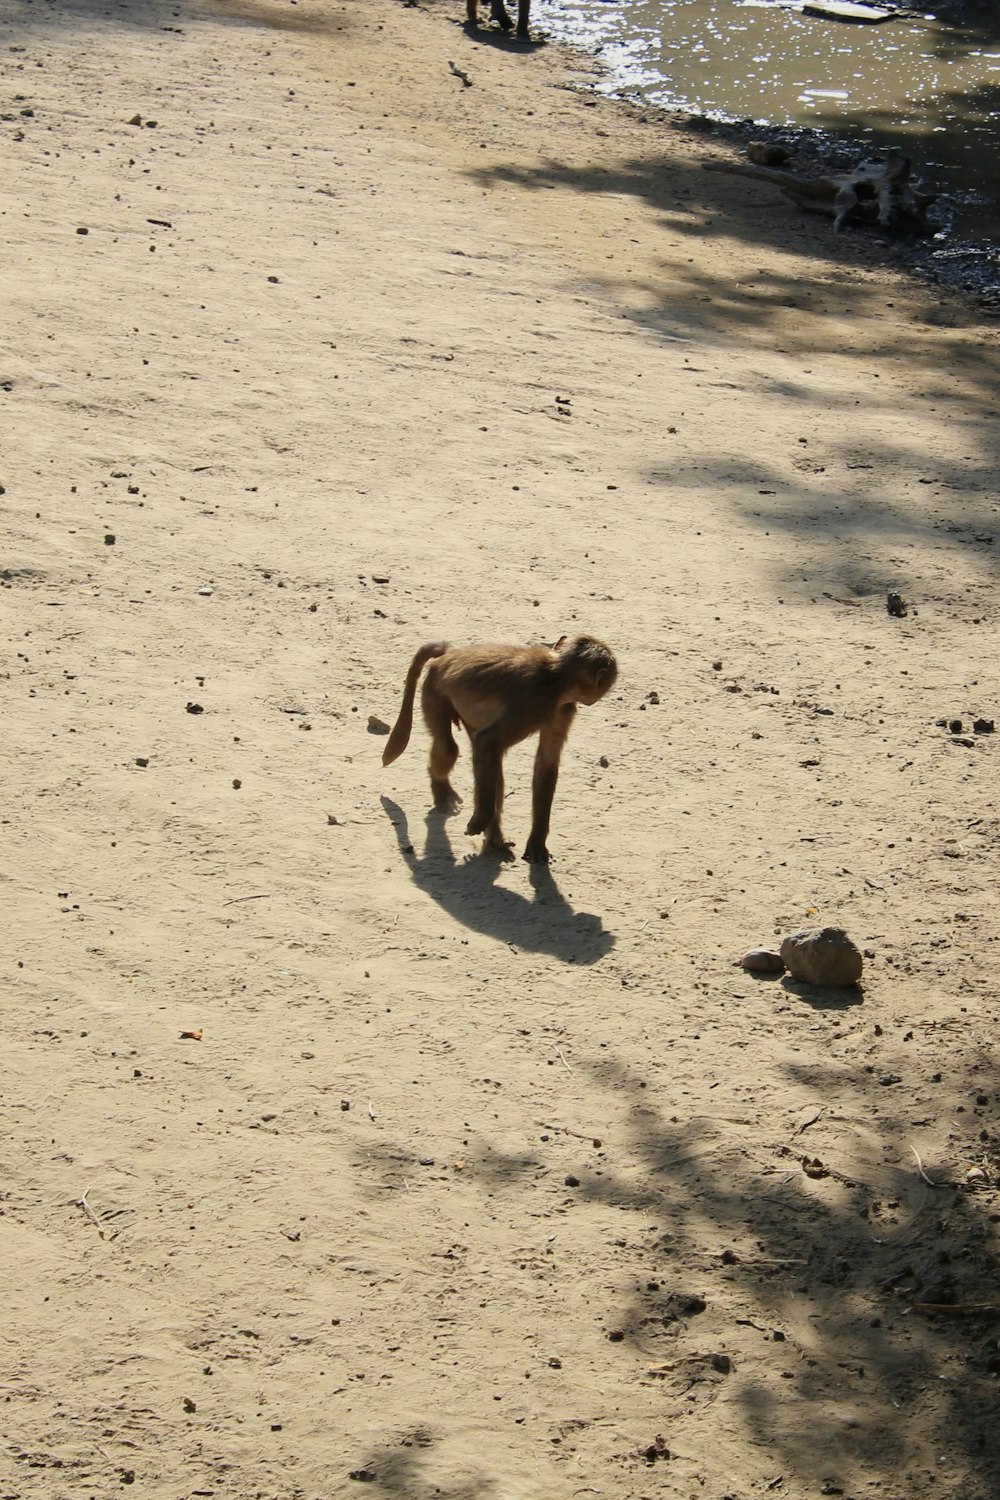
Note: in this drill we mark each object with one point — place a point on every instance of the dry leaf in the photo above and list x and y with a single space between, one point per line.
193 1036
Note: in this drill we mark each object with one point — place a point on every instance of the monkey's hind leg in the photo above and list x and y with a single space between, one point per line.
487 766
444 749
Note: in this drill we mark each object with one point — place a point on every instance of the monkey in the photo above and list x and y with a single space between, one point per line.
501 695
498 13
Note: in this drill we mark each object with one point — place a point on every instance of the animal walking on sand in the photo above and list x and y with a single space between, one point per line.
498 13
501 694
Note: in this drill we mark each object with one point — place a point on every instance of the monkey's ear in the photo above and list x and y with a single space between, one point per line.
560 642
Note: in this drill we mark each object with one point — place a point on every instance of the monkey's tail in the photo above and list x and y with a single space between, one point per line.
400 736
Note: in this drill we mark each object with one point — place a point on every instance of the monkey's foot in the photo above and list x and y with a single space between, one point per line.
501 847
476 824
446 799
499 14
535 853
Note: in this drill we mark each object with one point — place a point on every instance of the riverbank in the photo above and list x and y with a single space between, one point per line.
338 1156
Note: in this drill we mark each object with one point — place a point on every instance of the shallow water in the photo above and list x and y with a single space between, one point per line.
932 86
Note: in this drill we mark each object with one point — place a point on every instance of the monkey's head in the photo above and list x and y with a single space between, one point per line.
590 664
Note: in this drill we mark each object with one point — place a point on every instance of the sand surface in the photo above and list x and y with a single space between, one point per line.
483 1182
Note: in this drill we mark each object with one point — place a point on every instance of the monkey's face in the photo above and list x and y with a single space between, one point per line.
588 694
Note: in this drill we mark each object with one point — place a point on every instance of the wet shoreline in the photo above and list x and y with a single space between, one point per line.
966 268
960 263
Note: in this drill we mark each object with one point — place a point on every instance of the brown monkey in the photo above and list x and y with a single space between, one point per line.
501 694
498 13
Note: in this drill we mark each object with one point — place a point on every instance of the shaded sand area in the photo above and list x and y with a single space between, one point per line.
481 1183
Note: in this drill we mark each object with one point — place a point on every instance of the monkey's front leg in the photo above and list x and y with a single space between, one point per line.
487 767
543 786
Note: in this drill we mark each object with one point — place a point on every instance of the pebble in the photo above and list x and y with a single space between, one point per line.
763 961
822 955
376 725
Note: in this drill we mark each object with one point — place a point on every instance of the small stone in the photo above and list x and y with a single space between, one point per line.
193 708
237 783
142 760
822 955
135 120
763 961
376 725
896 605
983 726
205 593
955 726
109 539
764 154
572 1181
604 762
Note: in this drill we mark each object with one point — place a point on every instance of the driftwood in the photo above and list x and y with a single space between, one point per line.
873 192
847 10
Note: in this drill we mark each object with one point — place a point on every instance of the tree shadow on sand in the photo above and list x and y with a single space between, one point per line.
467 890
867 1277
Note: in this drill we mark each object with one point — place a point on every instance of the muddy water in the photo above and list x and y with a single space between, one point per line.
933 86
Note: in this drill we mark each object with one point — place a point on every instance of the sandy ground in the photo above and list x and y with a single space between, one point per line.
482 1182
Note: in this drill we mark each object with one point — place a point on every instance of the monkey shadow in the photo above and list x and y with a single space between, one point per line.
505 41
467 890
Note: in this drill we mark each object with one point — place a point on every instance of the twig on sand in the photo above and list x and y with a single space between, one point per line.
955 1307
920 1168
466 80
233 899
91 1215
562 1058
565 1130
